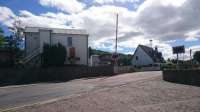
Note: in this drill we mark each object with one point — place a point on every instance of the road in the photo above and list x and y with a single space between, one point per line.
17 96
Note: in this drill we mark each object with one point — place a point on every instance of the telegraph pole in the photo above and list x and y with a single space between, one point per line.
190 56
115 55
116 34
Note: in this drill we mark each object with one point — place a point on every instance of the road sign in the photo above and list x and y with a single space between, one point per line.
178 49
115 56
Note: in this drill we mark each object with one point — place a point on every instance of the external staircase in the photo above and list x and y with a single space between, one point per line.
33 59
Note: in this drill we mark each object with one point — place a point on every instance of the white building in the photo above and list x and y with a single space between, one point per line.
146 56
35 37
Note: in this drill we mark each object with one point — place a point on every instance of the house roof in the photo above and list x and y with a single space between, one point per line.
153 54
57 30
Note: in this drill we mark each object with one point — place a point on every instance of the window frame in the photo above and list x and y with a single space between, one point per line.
69 41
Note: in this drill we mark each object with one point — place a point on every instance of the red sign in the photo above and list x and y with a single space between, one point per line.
72 52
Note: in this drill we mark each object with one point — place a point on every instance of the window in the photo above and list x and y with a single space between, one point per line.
69 41
136 57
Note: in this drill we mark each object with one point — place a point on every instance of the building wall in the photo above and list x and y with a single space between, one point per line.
143 58
80 42
45 37
32 42
37 40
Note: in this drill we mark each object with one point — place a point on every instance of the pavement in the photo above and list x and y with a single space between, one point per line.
132 92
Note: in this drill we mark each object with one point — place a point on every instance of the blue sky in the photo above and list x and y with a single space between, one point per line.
167 22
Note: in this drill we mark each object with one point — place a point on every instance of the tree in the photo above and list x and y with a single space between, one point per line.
90 52
1 37
53 55
17 29
197 56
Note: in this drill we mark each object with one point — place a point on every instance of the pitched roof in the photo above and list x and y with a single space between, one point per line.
57 30
153 54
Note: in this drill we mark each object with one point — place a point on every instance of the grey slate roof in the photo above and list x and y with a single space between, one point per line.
155 55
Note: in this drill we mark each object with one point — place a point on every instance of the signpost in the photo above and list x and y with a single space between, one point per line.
115 56
177 50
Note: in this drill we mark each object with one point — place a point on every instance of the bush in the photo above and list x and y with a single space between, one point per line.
197 56
53 55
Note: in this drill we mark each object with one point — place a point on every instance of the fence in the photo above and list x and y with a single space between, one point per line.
191 77
123 69
150 68
15 76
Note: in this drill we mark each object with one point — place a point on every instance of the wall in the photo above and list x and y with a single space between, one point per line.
32 42
44 36
150 68
20 76
37 40
123 69
191 77
143 58
78 41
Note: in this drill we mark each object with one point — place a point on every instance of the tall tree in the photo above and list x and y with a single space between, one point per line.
17 29
1 37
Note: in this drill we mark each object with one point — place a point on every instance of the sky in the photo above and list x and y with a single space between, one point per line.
167 22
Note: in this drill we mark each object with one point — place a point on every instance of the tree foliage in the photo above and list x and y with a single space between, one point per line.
1 37
197 56
54 55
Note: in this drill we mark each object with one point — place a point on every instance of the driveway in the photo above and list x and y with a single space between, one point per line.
17 96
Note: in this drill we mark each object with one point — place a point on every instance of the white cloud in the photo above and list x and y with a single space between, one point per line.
100 21
70 6
112 1
193 35
57 20
164 21
190 39
167 19
6 16
176 3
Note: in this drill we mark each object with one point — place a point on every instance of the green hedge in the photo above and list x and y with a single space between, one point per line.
53 55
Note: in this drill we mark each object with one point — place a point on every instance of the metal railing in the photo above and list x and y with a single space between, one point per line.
29 57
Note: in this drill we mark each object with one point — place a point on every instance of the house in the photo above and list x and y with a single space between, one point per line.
75 41
144 56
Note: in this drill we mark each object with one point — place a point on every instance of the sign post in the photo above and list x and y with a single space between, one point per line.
177 50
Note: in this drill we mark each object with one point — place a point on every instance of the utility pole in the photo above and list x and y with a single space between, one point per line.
116 34
115 55
190 56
